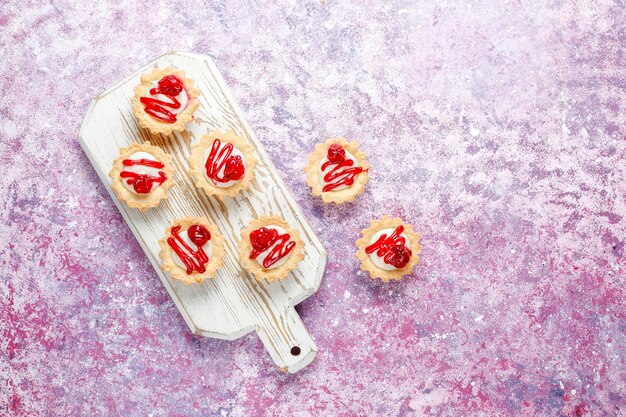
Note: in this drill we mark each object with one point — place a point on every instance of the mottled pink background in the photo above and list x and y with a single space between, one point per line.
496 130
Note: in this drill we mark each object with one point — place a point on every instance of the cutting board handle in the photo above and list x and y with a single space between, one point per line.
287 340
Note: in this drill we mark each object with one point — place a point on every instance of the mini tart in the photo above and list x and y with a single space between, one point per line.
189 230
374 264
160 80
239 164
315 175
139 178
283 266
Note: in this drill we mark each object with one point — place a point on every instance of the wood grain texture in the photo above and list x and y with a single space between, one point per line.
233 303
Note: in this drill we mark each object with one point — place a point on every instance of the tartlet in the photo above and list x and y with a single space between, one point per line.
141 175
388 249
165 100
192 250
337 171
222 163
269 248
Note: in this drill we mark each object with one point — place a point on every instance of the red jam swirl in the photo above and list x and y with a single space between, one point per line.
143 183
169 86
222 158
262 239
193 260
342 172
392 249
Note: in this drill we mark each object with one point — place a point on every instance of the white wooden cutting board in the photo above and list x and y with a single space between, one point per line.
233 303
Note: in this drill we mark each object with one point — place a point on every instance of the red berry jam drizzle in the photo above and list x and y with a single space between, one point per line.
222 158
392 249
341 174
169 86
194 261
262 239
142 183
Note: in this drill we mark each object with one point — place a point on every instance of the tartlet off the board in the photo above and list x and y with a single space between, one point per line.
337 171
388 249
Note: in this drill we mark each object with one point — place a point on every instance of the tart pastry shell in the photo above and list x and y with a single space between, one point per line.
216 260
337 196
366 262
153 198
260 273
196 163
157 126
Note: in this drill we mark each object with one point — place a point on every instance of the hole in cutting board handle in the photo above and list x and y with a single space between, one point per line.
295 351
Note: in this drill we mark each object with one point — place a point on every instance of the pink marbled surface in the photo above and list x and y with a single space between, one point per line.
496 130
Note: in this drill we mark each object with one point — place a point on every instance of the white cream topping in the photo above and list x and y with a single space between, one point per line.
261 258
330 167
181 97
378 260
220 174
207 247
141 169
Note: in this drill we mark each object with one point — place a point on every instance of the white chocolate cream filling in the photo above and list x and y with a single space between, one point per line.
378 260
220 174
182 98
207 247
330 167
141 169
261 258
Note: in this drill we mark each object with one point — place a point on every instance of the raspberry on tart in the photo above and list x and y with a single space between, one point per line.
192 250
270 249
165 100
388 249
337 171
141 175
222 164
